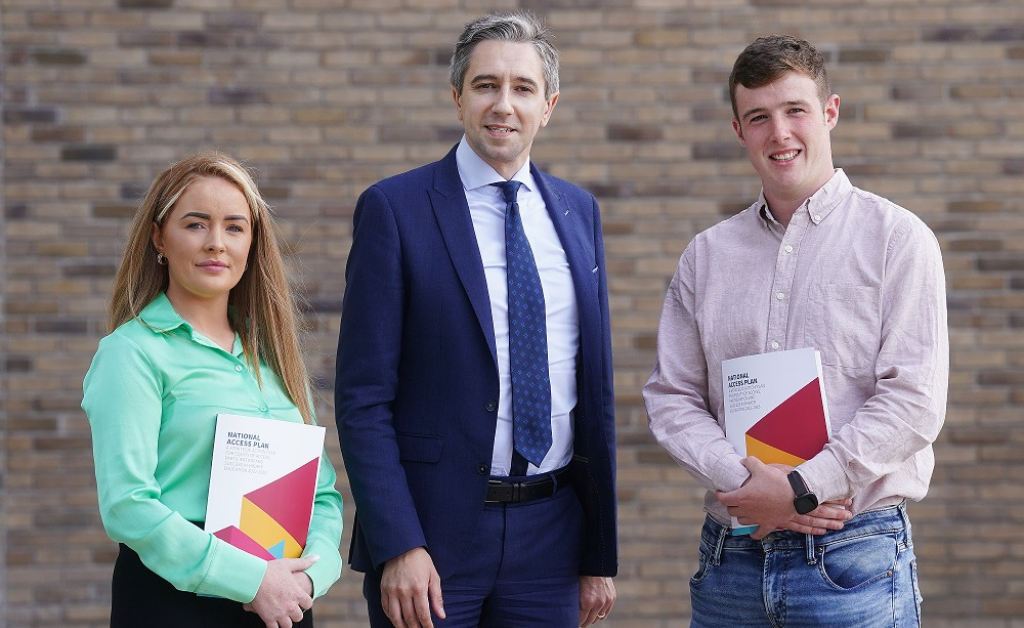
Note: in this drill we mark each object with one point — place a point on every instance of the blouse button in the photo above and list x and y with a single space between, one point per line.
780 296
789 248
775 344
238 367
263 408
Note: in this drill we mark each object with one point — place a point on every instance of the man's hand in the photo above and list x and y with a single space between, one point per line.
827 516
410 588
597 596
766 499
281 600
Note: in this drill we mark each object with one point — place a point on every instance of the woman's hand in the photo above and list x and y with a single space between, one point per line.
282 597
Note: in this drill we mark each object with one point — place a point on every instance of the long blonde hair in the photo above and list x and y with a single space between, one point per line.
261 305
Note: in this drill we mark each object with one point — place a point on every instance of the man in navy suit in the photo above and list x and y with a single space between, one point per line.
460 521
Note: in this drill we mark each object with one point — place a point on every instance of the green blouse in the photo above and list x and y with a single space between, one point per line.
152 396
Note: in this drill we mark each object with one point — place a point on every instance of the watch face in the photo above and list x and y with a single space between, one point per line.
805 503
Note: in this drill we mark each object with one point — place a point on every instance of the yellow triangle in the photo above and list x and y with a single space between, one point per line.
266 531
770 455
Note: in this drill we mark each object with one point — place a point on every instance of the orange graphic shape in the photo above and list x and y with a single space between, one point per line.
770 455
265 530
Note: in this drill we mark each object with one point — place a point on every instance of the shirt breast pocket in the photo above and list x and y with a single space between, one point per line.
844 323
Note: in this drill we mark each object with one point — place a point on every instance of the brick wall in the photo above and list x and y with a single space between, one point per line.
323 97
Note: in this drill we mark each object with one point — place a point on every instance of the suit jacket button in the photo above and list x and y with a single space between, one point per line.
492 405
483 469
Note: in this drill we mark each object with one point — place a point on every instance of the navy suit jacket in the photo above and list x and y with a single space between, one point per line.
417 378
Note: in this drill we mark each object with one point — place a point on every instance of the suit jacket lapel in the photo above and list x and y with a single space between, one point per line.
571 224
451 210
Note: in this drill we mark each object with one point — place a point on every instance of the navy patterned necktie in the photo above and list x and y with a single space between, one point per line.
527 341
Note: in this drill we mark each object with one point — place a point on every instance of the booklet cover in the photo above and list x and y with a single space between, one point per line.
775 408
263 484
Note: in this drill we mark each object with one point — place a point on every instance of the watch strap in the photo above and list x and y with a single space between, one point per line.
797 482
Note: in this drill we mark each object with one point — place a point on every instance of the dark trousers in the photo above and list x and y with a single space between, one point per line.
142 599
522 570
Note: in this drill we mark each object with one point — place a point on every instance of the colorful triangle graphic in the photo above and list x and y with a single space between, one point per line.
277 500
796 427
243 541
266 530
770 455
277 550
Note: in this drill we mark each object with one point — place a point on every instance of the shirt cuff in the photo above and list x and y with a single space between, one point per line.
825 477
729 474
234 574
325 571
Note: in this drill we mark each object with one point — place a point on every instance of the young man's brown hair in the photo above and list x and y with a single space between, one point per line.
767 58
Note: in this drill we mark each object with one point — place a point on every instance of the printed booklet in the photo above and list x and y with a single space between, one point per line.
263 484
775 408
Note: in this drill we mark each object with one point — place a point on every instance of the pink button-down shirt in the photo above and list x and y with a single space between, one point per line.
854 275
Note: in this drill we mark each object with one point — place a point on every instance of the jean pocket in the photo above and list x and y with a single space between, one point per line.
856 563
703 565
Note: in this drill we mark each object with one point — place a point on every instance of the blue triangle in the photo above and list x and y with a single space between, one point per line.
277 551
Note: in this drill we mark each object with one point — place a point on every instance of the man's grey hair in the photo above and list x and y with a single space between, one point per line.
519 27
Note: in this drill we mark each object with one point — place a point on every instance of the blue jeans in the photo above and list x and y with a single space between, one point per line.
863 576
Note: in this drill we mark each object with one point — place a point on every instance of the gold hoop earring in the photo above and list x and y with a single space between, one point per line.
161 260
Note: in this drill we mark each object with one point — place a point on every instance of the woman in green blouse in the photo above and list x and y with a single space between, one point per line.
202 322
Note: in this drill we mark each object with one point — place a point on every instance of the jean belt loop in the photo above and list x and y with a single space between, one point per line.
812 558
716 554
905 533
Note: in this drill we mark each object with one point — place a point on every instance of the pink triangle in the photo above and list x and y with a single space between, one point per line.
289 499
797 425
243 541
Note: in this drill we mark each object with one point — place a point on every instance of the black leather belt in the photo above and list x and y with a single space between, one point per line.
502 491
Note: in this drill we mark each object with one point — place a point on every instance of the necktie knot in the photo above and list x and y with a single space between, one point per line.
509 189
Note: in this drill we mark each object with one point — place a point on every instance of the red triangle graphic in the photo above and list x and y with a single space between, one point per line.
288 500
243 541
797 425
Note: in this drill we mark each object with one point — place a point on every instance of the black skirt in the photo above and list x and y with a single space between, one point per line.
142 599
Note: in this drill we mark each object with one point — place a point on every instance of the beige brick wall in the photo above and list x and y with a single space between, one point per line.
323 97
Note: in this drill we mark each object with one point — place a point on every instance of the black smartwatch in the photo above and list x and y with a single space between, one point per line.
805 500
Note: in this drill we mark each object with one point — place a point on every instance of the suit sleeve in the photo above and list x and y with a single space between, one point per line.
601 553
369 351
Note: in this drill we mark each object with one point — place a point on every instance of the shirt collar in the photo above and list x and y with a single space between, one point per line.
820 204
160 316
477 173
